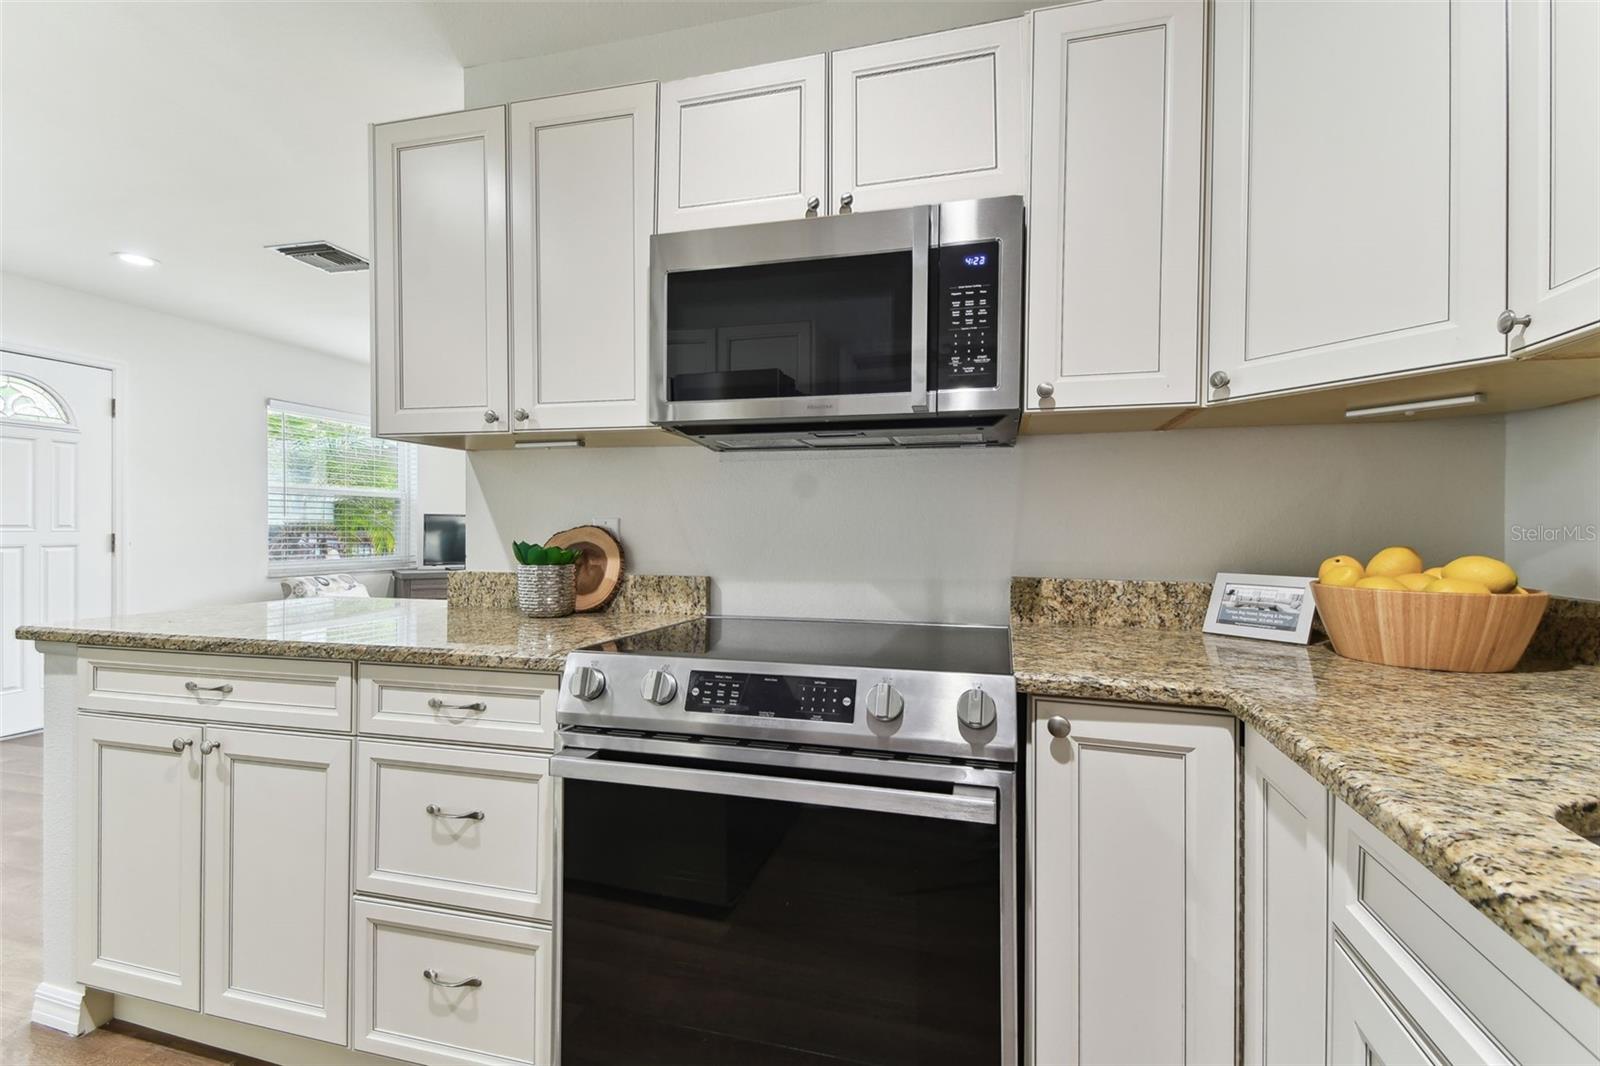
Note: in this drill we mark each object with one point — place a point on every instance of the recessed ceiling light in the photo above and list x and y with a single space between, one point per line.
135 259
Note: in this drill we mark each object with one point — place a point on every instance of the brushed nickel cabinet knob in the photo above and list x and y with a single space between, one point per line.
1058 726
1045 390
1219 379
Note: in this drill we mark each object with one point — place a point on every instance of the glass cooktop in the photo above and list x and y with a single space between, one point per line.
809 642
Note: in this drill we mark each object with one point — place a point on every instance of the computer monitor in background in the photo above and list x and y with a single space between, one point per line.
444 540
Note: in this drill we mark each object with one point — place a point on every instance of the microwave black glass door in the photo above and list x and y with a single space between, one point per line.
719 931
816 327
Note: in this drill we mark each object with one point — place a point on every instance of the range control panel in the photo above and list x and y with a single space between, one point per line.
814 699
966 315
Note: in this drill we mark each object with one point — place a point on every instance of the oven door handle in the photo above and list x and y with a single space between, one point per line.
964 803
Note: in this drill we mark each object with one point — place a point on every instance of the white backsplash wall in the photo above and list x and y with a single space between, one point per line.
937 535
1552 532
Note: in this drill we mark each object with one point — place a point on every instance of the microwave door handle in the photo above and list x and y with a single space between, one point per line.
962 804
921 233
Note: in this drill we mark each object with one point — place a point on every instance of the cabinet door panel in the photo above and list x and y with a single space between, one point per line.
1358 208
1114 248
1286 816
277 881
440 360
1364 1029
1555 167
931 118
582 208
1133 886
744 145
138 829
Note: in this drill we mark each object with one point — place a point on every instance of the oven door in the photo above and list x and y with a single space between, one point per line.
800 908
812 319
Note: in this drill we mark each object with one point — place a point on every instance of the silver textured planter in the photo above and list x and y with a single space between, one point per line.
546 591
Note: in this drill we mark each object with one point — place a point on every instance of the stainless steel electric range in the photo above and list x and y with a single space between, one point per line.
790 842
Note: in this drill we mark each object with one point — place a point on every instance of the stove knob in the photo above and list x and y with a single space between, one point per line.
884 703
659 687
975 708
587 683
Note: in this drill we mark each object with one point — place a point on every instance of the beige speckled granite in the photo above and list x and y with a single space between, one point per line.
1569 632
637 594
1089 602
1465 771
417 632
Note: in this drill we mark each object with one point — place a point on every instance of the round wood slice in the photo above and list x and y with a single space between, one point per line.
599 571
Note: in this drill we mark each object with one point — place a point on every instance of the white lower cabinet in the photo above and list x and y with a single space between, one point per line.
271 875
1286 822
277 880
456 827
1363 1029
138 858
1133 876
432 986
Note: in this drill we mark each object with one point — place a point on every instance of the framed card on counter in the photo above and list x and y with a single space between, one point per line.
1262 606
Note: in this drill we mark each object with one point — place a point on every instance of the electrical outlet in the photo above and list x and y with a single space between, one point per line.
613 524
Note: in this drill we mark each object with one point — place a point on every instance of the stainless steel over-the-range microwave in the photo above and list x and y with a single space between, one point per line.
900 327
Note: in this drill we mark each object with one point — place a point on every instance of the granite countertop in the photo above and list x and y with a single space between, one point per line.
1465 771
417 632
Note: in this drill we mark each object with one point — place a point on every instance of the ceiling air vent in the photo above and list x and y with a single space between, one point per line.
322 255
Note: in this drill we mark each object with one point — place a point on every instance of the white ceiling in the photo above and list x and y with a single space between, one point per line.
198 133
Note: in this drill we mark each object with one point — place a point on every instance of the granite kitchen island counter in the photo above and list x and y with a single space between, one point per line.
1464 771
414 632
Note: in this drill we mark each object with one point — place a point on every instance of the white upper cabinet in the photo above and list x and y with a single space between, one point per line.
931 118
440 362
1555 167
744 145
1358 211
1114 243
582 207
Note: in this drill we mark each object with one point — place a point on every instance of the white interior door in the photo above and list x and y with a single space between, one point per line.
55 514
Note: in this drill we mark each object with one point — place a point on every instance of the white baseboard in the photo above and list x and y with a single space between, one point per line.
70 1009
241 1037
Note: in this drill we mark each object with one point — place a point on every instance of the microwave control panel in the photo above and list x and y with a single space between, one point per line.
814 699
967 315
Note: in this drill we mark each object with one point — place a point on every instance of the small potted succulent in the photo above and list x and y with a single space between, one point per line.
545 579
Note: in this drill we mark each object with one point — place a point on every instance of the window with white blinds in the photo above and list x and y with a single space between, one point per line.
338 499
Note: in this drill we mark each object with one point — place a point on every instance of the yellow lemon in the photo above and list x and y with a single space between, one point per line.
1434 571
1519 591
1485 570
1341 576
1392 562
1415 582
1337 560
1380 583
1459 584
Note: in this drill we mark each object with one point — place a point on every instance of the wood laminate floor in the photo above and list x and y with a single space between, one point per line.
22 1042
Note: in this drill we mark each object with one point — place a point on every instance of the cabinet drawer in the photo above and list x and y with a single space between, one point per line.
231 689
400 1010
1478 994
469 706
458 827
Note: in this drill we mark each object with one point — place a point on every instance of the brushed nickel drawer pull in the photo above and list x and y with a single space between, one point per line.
436 704
439 812
195 686
466 982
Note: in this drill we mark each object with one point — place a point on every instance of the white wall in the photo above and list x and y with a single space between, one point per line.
1553 498
717 46
191 407
937 535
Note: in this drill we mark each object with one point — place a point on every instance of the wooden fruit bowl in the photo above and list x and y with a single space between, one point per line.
1429 630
